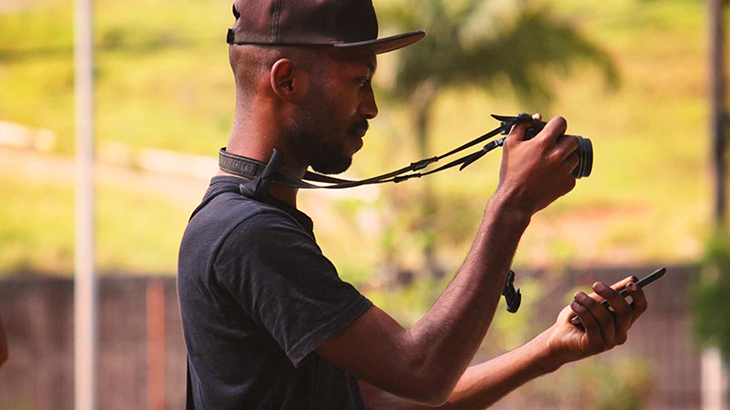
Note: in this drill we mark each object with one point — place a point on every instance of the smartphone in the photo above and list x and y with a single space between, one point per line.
575 320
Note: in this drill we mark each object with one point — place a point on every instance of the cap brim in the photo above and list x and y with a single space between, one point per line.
385 44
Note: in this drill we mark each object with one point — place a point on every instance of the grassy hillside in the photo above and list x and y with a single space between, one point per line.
163 81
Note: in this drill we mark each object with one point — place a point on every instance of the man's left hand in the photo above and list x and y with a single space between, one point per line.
602 329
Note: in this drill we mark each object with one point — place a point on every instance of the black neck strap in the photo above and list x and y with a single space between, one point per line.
262 174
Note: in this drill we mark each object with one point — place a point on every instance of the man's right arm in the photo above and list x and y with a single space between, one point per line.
425 363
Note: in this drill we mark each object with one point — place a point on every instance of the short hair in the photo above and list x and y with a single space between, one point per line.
250 62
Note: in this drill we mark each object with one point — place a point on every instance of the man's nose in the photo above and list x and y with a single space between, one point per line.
368 108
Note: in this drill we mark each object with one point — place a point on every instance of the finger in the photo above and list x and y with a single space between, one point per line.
623 282
603 317
639 303
612 296
566 146
537 116
622 311
590 326
571 163
618 286
518 131
553 130
568 316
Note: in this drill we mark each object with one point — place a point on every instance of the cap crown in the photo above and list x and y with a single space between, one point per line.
303 22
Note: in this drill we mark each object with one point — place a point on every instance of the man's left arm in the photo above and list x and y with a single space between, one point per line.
484 384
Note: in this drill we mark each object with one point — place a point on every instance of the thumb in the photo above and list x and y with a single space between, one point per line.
565 315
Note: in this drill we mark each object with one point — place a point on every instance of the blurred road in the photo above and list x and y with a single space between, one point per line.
57 169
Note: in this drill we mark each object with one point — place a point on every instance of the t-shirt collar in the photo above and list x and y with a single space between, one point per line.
298 215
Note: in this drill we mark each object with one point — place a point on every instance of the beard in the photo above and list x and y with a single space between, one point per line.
316 137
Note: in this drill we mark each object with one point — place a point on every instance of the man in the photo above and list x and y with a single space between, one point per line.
267 321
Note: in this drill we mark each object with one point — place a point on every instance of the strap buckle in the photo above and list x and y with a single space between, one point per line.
511 295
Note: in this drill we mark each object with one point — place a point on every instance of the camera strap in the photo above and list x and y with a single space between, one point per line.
261 175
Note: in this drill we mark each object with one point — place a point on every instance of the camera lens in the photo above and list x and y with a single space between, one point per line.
585 154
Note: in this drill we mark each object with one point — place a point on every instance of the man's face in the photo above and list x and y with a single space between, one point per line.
331 122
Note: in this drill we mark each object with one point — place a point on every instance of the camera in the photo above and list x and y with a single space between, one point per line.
584 150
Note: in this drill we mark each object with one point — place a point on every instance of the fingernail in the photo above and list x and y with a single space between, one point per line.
598 286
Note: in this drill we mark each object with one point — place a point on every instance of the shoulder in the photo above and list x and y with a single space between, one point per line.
267 235
230 223
270 248
268 224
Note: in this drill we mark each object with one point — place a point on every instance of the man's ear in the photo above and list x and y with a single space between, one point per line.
288 81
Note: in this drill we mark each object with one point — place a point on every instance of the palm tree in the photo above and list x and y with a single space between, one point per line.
476 42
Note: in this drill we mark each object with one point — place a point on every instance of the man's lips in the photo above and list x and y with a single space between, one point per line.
359 130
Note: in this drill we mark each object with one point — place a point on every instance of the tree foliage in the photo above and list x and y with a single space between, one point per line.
710 296
476 42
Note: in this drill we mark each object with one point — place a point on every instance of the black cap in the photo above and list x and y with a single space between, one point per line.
339 23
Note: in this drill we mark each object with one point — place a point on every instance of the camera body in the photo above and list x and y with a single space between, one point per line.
584 150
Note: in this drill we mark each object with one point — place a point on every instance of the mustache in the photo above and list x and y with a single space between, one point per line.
360 128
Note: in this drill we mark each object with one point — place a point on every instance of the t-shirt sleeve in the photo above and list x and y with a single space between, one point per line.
281 279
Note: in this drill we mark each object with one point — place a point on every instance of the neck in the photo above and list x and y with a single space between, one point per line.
257 140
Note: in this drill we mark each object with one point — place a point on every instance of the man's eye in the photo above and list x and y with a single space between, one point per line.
363 81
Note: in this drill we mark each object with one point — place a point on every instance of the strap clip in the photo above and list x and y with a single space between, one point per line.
512 296
259 186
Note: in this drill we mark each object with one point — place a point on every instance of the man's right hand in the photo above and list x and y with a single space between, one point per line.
536 172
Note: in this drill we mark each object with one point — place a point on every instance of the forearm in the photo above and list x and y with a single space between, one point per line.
484 384
481 385
450 334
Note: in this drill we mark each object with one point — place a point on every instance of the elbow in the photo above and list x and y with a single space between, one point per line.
430 397
418 384
436 394
433 400
432 388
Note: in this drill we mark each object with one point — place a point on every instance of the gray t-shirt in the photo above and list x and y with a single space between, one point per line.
257 297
